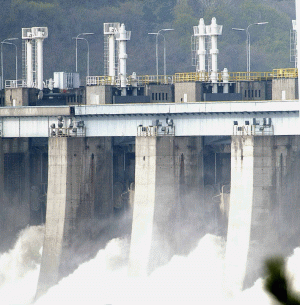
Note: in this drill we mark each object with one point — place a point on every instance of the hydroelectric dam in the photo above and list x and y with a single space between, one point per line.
179 156
179 165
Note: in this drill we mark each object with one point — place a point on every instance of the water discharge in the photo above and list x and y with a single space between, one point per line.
192 279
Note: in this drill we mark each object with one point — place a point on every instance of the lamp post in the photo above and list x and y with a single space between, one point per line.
5 41
165 66
88 53
156 49
77 37
248 42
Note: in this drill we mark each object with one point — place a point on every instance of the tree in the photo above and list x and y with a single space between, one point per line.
277 282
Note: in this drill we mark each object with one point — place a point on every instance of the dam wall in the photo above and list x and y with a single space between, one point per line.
179 188
168 184
79 189
261 171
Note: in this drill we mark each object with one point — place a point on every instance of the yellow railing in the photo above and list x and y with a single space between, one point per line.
285 73
154 79
247 76
238 76
193 77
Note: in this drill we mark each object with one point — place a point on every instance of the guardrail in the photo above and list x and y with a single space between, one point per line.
285 73
247 76
15 83
101 80
66 132
192 77
139 80
152 79
157 129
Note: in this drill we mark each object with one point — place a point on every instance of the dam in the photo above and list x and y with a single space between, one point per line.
184 165
196 152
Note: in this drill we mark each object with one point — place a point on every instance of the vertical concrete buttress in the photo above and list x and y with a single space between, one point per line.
166 169
79 189
260 169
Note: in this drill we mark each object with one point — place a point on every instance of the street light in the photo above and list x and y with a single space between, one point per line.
248 42
88 53
76 43
156 49
5 41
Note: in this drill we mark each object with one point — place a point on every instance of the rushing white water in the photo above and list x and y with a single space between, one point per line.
19 268
194 279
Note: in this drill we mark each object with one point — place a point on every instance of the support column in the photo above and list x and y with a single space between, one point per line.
77 192
253 201
167 168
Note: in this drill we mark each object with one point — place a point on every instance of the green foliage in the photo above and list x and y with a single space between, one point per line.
183 24
29 12
67 18
277 282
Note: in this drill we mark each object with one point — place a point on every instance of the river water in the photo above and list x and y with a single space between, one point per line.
192 279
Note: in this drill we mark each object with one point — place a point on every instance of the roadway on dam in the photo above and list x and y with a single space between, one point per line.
189 119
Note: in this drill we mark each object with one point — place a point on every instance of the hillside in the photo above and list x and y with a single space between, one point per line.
270 44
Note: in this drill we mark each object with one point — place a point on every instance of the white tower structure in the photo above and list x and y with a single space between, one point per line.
39 34
110 66
225 77
33 57
122 36
293 43
28 64
214 30
200 31
111 59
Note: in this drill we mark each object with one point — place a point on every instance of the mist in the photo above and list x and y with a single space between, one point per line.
196 278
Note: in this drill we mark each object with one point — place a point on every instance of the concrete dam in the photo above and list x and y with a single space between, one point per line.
172 189
164 160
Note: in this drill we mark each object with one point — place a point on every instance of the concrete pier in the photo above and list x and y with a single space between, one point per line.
168 184
79 190
260 169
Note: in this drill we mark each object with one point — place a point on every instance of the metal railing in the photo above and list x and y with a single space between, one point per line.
177 78
192 77
15 83
253 130
250 76
67 132
152 79
285 73
146 131
139 80
101 80
159 130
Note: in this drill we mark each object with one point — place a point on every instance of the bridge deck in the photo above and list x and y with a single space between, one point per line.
205 118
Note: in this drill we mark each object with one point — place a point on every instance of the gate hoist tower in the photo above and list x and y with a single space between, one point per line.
115 56
110 55
33 56
205 37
